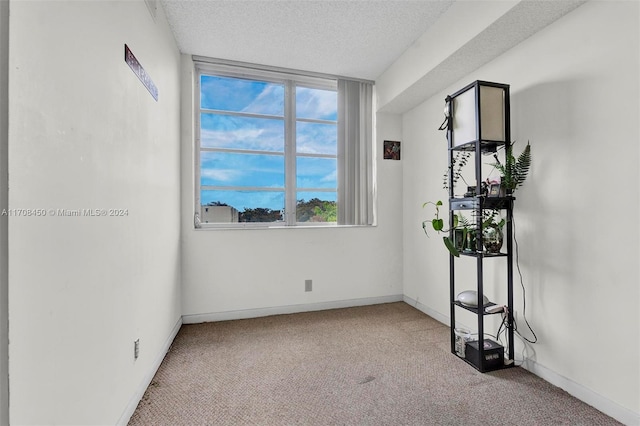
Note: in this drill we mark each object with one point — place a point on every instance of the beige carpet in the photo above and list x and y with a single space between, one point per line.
385 364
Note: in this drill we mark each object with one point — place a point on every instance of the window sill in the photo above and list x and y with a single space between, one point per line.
260 227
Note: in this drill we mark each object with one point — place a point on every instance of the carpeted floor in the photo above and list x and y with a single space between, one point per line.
385 364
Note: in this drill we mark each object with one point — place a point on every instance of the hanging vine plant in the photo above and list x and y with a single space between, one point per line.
460 159
437 223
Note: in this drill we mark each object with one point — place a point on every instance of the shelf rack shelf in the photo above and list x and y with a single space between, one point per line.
479 123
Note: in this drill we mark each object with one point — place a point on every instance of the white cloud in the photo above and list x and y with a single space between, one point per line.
316 138
243 138
331 177
314 103
220 138
269 101
222 175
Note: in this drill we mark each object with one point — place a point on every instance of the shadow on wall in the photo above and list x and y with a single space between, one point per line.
542 115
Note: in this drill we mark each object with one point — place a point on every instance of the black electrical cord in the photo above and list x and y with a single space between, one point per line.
524 298
445 124
503 323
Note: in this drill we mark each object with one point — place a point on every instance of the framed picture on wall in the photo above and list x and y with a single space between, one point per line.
391 150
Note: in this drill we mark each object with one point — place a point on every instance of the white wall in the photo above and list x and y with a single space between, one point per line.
242 273
575 96
4 220
85 134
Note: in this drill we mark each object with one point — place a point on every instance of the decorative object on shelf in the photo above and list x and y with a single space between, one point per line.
492 238
470 298
514 171
464 232
491 357
437 223
468 231
472 190
459 239
462 337
495 189
492 235
460 159
471 242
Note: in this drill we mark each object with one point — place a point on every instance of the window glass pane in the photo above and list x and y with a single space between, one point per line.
316 138
227 169
227 131
241 206
316 103
236 94
315 172
316 207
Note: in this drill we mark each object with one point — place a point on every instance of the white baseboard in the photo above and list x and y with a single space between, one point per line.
136 397
608 407
427 310
599 402
287 309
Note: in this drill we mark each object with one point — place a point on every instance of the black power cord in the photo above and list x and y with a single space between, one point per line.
504 324
524 298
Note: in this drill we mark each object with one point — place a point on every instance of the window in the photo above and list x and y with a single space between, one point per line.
268 149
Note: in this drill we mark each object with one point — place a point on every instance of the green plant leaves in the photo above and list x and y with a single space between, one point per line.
522 165
514 171
458 162
452 248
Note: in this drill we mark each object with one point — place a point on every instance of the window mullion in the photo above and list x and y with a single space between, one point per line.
290 152
196 172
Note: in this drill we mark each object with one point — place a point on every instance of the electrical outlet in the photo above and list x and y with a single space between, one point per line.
308 285
136 349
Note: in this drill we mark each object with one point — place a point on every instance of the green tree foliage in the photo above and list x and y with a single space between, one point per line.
316 210
260 214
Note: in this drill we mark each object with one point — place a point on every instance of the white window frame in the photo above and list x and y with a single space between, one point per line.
290 81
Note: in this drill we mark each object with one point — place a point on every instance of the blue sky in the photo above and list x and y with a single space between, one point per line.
264 170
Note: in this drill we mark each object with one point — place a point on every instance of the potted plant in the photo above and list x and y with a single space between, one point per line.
460 159
492 235
513 173
463 230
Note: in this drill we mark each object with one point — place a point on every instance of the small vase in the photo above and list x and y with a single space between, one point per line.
458 239
471 241
492 238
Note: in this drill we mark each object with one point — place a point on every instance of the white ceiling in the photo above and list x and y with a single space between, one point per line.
352 38
358 38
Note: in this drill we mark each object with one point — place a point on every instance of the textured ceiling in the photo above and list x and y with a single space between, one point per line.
353 38
362 38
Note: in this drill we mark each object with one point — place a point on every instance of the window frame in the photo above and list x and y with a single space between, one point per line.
290 80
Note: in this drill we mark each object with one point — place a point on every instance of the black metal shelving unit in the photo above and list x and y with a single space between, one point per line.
479 145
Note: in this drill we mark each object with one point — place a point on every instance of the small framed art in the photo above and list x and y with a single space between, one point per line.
391 150
494 190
